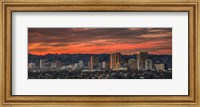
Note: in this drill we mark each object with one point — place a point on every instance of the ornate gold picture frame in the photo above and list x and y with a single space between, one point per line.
9 6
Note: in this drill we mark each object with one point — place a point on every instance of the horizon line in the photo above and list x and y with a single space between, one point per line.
92 54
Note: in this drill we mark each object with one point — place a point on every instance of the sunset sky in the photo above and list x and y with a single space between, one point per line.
128 41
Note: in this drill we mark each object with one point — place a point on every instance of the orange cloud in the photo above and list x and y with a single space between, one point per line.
99 40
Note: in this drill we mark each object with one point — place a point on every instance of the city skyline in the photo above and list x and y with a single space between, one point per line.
126 41
110 66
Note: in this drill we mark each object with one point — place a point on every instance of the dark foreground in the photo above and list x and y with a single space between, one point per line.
100 75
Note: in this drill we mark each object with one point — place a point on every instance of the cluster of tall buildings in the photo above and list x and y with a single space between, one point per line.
43 63
143 63
140 63
74 66
115 61
93 63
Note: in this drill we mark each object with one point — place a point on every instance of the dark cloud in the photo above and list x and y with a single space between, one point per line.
38 49
69 35
146 49
61 37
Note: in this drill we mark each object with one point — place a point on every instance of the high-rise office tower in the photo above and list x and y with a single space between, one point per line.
139 65
142 56
81 63
104 64
148 64
94 61
115 61
89 65
141 60
42 63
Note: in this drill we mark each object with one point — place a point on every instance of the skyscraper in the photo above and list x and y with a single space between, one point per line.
115 61
142 56
89 65
42 63
94 61
103 64
148 64
139 65
141 60
81 63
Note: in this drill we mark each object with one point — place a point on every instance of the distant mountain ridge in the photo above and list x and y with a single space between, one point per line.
74 58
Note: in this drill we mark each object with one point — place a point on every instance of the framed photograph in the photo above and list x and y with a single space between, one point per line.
100 53
105 53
